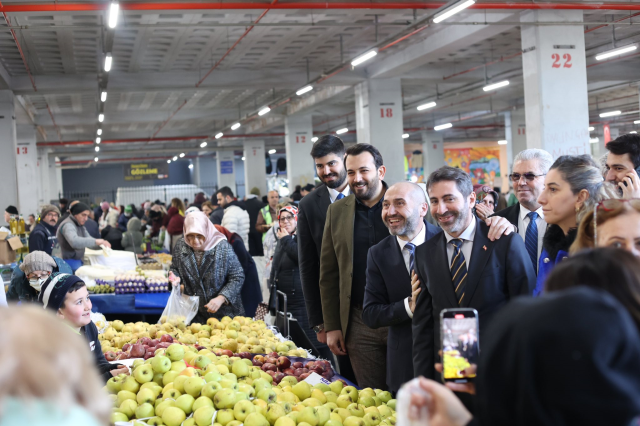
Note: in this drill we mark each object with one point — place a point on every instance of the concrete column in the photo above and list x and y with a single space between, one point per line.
555 82
298 130
195 171
379 122
226 170
8 147
27 170
433 151
255 174
515 132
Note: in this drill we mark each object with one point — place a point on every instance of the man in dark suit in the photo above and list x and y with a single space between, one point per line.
387 298
461 267
328 156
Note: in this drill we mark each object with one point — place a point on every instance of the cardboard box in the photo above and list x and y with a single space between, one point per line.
8 247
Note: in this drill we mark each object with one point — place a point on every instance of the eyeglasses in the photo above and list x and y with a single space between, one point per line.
609 206
286 219
34 275
515 177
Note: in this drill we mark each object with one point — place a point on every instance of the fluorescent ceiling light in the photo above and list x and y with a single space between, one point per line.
169 161
452 10
610 113
242 158
636 122
203 144
98 140
101 117
304 90
405 135
235 126
341 131
443 126
97 149
103 96
113 14
272 151
175 158
264 110
591 128
95 159
314 139
219 135
191 166
99 132
594 140
633 131
495 86
503 142
616 52
181 154
363 58
426 106
107 62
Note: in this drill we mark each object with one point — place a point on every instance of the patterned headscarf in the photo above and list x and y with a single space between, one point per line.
291 209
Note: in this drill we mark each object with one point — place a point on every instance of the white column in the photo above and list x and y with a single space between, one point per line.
255 173
555 82
57 175
8 175
433 152
226 170
515 132
27 170
195 171
298 130
379 122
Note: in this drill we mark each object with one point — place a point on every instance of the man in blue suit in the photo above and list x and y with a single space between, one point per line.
387 298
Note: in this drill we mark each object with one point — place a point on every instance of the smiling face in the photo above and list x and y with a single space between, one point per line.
559 203
196 241
450 207
617 167
331 171
364 178
403 209
527 192
287 222
76 308
622 231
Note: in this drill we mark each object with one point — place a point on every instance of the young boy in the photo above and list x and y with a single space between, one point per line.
67 295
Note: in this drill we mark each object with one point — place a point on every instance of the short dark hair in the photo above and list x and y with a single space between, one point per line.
627 144
452 174
327 144
74 287
359 148
225 191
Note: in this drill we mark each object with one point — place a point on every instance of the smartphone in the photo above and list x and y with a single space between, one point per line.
637 172
459 338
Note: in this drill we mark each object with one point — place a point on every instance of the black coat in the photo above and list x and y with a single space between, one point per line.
216 216
253 206
43 238
388 285
512 214
90 332
499 270
251 293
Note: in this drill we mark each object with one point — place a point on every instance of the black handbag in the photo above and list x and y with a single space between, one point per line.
273 296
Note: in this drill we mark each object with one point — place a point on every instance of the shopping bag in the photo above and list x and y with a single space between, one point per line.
180 307
166 244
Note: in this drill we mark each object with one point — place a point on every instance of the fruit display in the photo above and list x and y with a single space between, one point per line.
133 282
101 287
230 391
162 258
282 366
150 266
454 365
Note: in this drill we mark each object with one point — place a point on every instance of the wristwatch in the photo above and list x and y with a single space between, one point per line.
318 328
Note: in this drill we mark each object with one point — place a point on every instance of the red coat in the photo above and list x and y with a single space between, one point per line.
174 221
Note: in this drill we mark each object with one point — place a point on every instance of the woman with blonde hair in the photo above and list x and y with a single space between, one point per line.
47 375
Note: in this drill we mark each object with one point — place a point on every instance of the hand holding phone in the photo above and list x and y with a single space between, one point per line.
459 336
630 185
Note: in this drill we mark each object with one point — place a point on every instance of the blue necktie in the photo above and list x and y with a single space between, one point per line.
458 269
411 248
531 239
340 196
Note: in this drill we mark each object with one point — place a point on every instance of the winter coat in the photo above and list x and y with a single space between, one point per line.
216 216
174 221
253 206
90 332
73 239
251 293
43 238
122 222
132 239
555 248
113 236
21 290
92 228
236 220
220 273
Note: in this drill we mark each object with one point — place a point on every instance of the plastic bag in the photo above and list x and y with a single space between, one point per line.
166 243
404 402
180 307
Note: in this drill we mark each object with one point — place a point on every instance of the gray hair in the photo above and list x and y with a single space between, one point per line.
545 160
452 174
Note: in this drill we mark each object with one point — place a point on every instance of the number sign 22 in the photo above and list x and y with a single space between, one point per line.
556 61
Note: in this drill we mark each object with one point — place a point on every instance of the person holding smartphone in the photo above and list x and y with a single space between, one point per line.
623 165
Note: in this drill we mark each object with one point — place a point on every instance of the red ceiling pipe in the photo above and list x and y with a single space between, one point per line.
502 59
168 119
613 22
170 139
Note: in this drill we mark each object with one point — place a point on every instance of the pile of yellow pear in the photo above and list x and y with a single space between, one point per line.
230 391
240 334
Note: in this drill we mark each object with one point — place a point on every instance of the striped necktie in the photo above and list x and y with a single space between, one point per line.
531 239
411 248
458 269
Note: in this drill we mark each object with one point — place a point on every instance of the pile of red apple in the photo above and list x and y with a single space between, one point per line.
279 367
145 348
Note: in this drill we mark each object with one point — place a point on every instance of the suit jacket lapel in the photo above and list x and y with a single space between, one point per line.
515 214
480 253
441 269
349 206
397 260
323 200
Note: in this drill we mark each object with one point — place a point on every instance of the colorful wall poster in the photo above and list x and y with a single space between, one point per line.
482 163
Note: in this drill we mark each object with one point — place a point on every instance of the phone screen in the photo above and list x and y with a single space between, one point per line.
460 345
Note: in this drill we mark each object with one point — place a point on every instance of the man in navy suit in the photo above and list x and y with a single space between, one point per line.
387 298
461 267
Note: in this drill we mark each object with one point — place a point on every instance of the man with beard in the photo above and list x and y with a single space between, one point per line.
328 155
461 267
623 163
387 299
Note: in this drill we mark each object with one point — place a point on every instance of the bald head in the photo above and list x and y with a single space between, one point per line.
403 208
273 197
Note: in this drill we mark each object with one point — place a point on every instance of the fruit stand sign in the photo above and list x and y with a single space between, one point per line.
315 378
144 171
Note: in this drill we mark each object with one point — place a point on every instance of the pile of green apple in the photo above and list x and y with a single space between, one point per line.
230 391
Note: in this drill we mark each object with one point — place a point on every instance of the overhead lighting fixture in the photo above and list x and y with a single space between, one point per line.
99 132
272 151
101 117
405 135
103 96
636 122
219 135
242 158
113 14
633 131
426 106
181 154
168 161
503 142
98 140
95 159
175 158
616 52
341 131
496 86
594 140
314 139
456 7
264 110
443 126
191 166
203 144
610 114
107 62
235 126
591 128
304 90
97 149
363 58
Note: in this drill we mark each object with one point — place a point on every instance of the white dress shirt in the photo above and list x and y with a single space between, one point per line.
406 255
523 223
333 194
467 242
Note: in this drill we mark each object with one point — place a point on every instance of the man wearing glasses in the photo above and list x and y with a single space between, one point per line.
27 278
529 168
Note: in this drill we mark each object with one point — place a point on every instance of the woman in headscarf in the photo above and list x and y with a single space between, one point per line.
251 293
208 268
486 201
